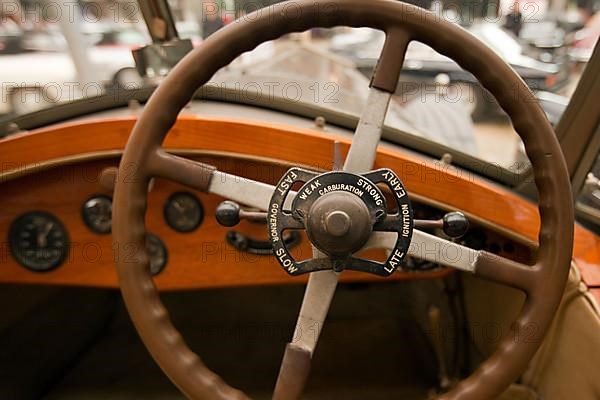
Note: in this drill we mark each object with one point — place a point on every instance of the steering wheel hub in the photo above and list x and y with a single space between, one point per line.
340 211
339 223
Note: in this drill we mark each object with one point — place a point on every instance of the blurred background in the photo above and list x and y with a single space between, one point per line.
55 52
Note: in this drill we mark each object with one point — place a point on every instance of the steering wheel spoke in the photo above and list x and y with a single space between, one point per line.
390 63
246 191
425 246
313 312
507 272
363 150
207 178
182 170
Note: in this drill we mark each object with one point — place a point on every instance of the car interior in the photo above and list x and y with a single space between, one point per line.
251 211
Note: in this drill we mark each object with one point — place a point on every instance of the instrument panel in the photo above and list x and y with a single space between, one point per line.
59 224
63 173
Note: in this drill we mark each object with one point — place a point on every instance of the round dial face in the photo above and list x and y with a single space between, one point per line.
97 214
38 241
157 252
184 212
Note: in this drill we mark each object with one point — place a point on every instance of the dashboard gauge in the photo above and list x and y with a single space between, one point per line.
157 252
184 212
38 241
97 214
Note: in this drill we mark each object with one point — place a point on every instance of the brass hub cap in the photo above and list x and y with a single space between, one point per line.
339 223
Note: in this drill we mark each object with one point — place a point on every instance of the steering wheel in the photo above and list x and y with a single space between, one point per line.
342 211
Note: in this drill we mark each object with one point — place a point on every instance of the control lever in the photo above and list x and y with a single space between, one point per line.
230 214
454 224
250 245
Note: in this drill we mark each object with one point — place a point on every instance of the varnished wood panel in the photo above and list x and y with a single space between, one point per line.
441 184
199 259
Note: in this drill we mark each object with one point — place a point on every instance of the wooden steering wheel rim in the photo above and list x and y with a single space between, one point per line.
402 23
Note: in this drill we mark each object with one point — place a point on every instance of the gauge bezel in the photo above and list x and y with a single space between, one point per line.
26 262
152 236
171 223
86 219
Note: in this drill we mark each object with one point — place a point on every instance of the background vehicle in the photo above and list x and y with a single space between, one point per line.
10 37
427 67
26 90
585 39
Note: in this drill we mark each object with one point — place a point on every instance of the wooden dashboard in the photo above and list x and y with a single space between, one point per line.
57 169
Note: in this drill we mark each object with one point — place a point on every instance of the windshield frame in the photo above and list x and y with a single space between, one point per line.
119 98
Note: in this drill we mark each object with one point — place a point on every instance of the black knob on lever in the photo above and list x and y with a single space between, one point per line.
454 224
230 214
